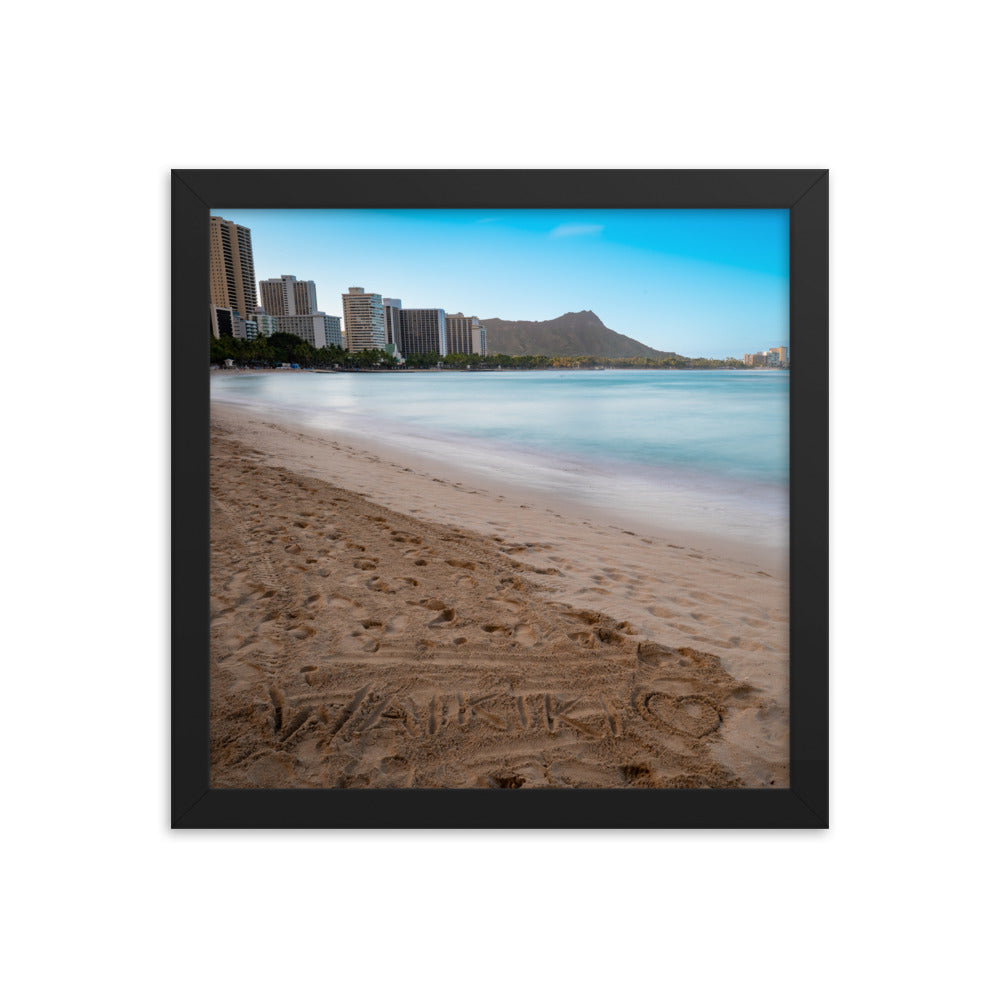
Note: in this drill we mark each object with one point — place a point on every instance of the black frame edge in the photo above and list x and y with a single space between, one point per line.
806 803
810 516
189 527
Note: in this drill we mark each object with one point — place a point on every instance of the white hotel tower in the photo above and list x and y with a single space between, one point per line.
364 320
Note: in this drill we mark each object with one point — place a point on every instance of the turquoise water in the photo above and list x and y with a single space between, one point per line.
630 437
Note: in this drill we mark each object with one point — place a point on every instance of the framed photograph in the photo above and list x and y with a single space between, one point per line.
499 498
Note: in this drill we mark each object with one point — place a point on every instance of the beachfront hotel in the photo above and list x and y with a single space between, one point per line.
317 328
364 320
227 323
391 309
289 305
230 263
422 331
774 357
263 321
464 334
287 296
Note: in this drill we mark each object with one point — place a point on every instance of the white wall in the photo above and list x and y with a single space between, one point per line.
897 99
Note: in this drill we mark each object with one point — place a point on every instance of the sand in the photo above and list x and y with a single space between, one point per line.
379 623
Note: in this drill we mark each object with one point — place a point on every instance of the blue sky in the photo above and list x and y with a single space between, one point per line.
700 282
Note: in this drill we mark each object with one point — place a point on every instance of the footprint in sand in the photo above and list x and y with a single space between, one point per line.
506 603
685 629
659 612
685 603
750 644
704 619
454 775
525 635
358 642
396 624
447 617
396 771
345 605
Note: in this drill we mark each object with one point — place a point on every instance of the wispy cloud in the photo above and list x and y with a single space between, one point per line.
578 230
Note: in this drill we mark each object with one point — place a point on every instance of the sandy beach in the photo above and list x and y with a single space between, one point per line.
384 621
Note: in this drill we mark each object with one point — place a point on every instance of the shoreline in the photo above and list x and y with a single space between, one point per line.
724 607
725 517
215 370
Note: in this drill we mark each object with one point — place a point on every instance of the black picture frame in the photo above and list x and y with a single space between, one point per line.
805 193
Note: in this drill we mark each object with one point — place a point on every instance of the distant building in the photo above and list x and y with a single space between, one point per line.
317 329
422 332
464 334
774 357
390 308
287 296
230 264
227 323
364 320
332 331
265 323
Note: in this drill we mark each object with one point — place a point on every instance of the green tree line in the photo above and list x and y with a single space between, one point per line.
286 348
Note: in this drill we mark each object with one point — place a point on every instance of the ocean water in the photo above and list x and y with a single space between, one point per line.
708 447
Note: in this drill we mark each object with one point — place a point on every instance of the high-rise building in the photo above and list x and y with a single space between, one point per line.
391 309
364 320
464 334
317 328
422 332
228 323
287 296
230 264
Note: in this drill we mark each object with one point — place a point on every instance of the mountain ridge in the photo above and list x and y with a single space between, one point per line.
574 334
